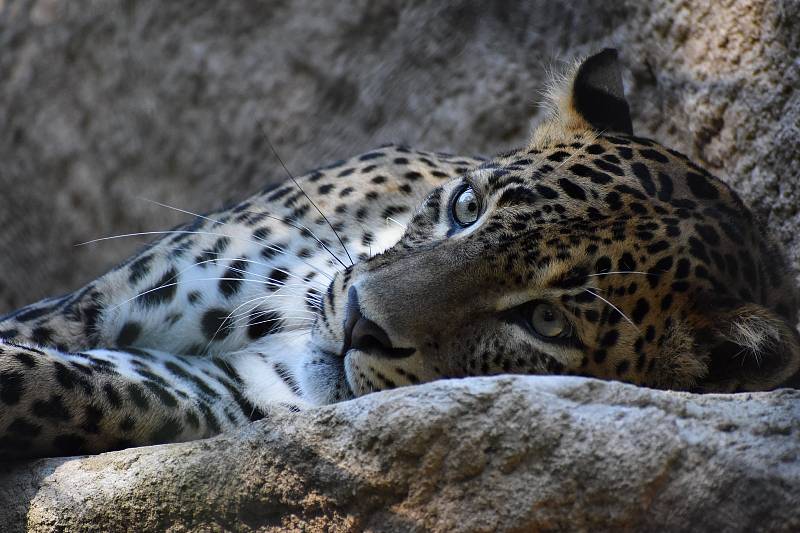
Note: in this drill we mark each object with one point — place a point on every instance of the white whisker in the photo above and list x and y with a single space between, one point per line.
260 242
617 309
144 233
247 318
390 219
279 319
260 300
227 319
291 177
267 215
167 285
624 272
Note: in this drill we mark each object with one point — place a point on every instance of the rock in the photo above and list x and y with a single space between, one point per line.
483 454
104 105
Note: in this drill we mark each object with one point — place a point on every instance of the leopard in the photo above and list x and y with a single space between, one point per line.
588 252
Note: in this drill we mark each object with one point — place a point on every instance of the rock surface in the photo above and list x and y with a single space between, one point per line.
105 102
483 454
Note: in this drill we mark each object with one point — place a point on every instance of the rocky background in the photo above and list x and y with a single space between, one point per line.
106 103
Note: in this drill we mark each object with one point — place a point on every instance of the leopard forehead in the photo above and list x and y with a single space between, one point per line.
623 192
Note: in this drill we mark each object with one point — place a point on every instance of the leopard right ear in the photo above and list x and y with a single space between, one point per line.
588 97
598 95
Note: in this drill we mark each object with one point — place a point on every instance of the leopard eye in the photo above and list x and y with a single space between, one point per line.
547 321
466 207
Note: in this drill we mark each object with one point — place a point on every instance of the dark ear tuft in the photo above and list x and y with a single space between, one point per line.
598 95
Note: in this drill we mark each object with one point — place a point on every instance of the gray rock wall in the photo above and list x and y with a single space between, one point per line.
105 102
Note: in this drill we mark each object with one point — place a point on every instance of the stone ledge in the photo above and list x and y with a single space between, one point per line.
483 454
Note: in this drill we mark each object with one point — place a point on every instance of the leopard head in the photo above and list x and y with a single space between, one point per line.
590 251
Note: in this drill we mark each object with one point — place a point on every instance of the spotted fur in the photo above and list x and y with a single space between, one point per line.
664 278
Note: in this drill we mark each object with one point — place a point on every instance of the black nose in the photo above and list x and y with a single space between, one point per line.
363 334
359 332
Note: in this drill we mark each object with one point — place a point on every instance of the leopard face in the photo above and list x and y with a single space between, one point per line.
590 251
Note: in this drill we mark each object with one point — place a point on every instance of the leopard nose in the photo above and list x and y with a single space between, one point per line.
359 332
363 334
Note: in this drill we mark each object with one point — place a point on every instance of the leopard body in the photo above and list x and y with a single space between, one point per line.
360 276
